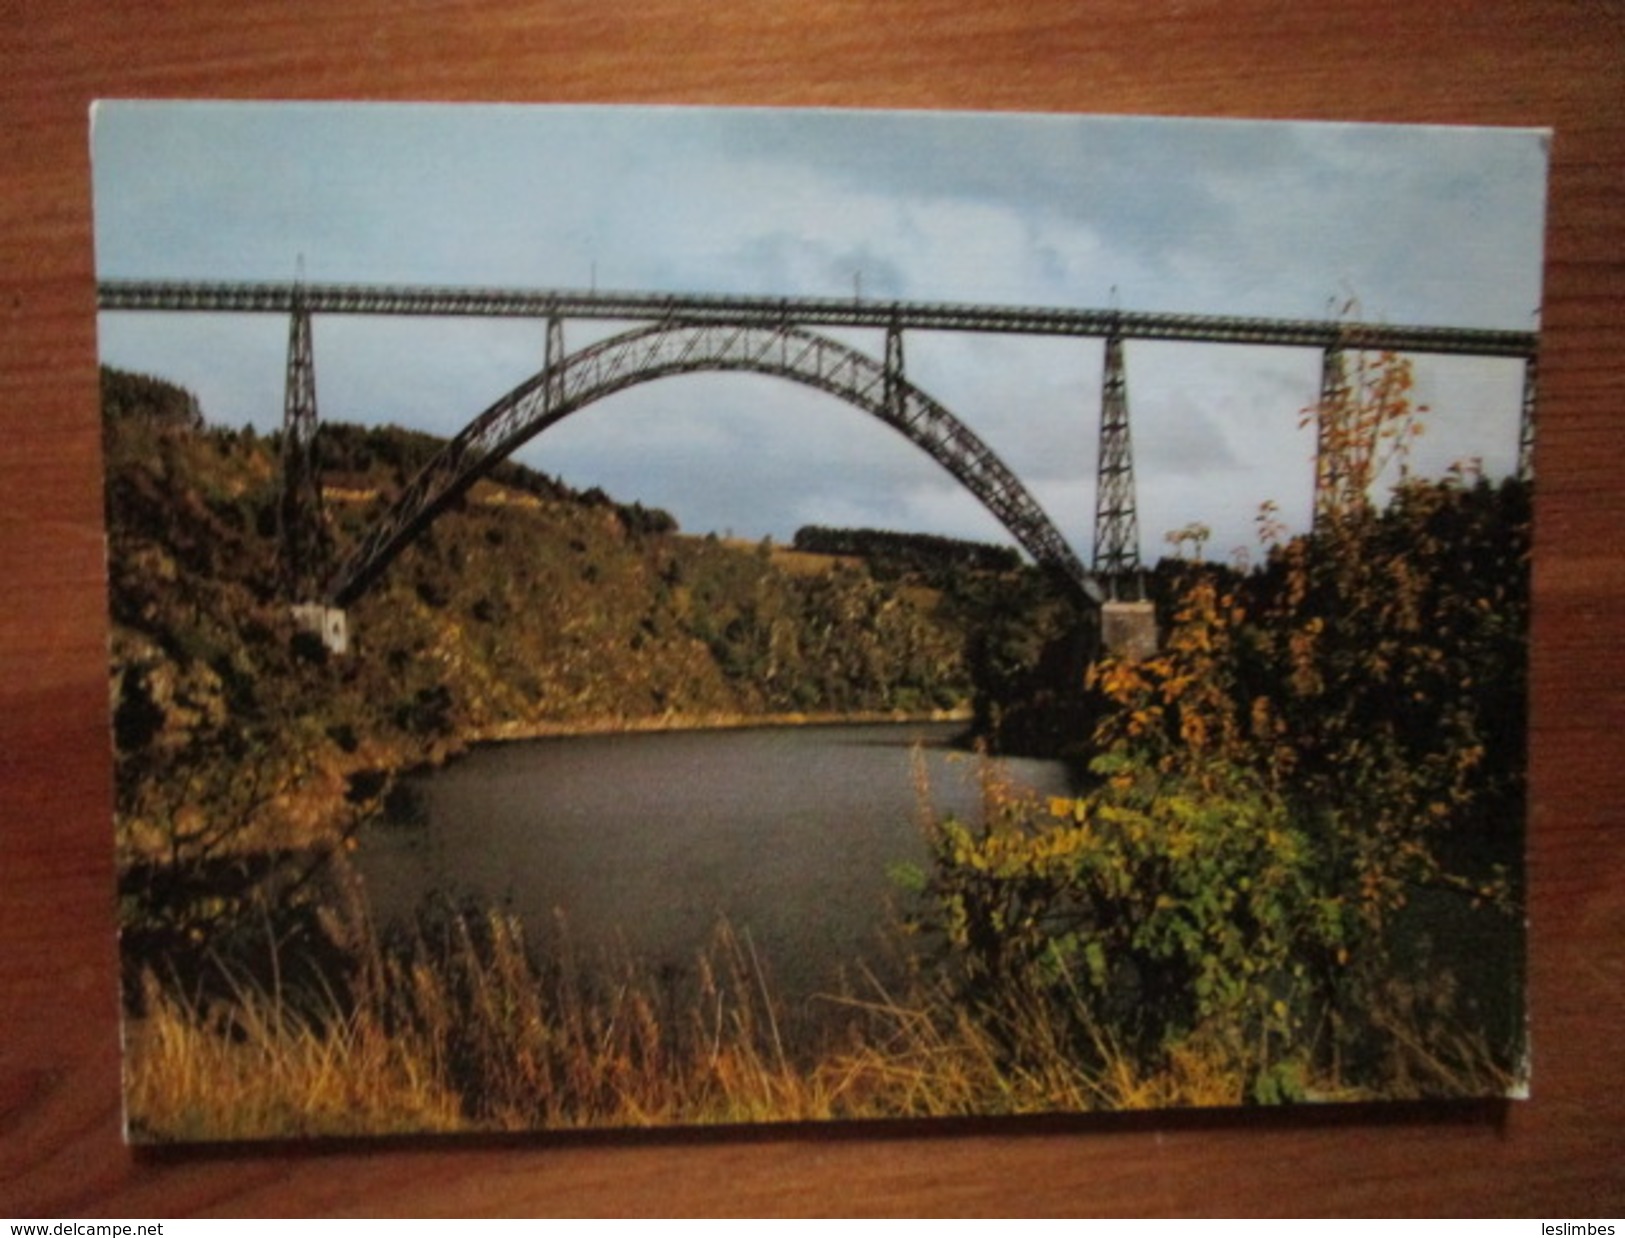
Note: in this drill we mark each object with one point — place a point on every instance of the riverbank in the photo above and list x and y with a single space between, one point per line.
511 732
663 928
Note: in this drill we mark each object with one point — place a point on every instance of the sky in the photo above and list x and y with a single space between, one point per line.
1408 225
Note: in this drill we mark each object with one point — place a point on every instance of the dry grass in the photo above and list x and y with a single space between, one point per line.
459 1030
810 563
254 1070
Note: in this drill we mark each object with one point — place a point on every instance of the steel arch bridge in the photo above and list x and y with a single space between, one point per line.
687 333
663 349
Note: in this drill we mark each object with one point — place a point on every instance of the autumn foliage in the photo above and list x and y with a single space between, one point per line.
1299 858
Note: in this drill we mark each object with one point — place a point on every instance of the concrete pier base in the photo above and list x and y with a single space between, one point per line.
329 624
1128 630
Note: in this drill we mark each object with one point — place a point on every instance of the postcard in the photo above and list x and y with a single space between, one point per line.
630 617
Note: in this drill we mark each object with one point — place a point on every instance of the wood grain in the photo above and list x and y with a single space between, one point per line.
1449 61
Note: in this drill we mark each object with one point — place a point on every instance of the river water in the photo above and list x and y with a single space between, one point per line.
642 844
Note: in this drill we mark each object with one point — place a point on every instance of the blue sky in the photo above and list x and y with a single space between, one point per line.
1419 225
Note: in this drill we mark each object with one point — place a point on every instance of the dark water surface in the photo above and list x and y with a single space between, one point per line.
643 843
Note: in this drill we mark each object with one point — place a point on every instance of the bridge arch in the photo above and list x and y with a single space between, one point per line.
666 348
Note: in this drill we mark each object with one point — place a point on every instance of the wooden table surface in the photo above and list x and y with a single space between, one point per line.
1559 64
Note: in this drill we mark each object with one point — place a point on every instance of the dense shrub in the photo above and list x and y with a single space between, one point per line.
1321 747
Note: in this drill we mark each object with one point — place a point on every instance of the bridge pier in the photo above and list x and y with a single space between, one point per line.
893 371
329 624
1526 422
1117 522
1331 438
1128 630
551 362
303 523
304 534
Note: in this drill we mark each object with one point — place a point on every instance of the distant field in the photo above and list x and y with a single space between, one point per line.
806 563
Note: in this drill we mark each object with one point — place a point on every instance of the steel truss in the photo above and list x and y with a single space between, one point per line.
698 332
667 348
1117 524
302 525
1526 419
1332 473
803 311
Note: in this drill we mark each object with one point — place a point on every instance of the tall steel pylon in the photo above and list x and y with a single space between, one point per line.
1117 524
304 531
1526 422
553 357
895 383
1332 478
